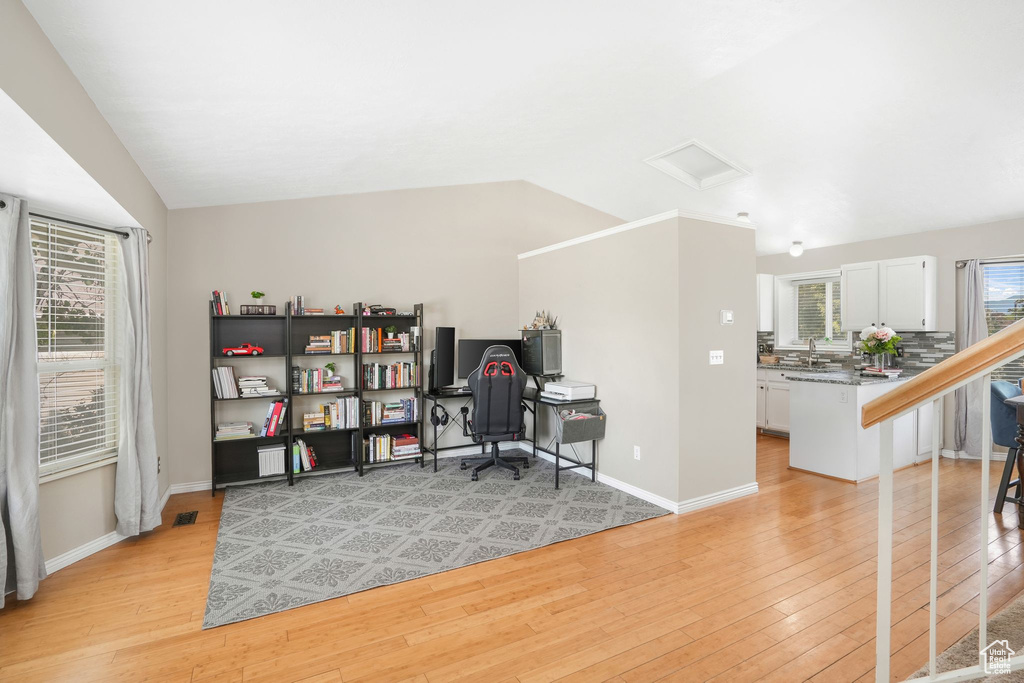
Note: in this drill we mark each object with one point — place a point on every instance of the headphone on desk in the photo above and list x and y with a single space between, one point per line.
438 420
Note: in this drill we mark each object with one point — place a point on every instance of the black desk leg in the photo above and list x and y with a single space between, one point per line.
536 416
593 463
433 410
557 467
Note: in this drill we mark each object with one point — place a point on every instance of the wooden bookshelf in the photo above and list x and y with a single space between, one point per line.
286 337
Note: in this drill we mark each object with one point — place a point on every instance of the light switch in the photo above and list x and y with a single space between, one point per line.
718 357
725 317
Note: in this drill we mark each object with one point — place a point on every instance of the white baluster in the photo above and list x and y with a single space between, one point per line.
986 456
934 569
884 607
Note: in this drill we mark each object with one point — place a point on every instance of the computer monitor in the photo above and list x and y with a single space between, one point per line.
443 366
472 350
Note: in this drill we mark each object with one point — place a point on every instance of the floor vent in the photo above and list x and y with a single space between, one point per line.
184 518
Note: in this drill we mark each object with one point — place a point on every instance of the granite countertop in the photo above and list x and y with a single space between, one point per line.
849 377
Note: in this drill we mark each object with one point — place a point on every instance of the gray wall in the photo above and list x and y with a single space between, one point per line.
639 313
79 509
452 248
716 402
617 301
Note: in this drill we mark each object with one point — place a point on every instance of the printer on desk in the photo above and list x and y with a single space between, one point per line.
567 390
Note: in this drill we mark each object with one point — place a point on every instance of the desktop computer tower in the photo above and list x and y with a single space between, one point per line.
542 352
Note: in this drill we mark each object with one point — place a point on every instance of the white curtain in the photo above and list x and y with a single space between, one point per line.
972 329
136 495
21 554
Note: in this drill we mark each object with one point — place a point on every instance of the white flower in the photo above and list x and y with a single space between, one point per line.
885 334
866 333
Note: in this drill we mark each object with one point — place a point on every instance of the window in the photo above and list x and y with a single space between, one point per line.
78 306
809 308
1004 305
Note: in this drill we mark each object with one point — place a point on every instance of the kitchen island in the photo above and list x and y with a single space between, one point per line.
825 435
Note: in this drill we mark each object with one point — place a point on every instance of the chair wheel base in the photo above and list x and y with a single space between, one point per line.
516 477
475 477
462 466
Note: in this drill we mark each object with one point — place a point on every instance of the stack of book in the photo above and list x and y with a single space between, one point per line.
303 457
874 371
380 413
319 344
341 414
312 311
220 302
274 423
224 382
386 448
332 383
393 376
255 386
233 430
271 458
375 340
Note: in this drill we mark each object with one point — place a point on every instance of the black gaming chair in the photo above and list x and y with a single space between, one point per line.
497 385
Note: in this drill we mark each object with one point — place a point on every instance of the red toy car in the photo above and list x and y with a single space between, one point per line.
243 350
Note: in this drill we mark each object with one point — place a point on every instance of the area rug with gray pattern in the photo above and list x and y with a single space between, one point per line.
280 547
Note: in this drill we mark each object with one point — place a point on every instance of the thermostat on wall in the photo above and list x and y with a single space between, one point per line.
725 317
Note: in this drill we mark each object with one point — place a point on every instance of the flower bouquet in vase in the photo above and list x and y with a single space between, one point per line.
879 342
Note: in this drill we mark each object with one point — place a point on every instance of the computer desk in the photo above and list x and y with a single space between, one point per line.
533 401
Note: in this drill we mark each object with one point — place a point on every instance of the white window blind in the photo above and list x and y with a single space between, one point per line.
78 309
1004 305
817 310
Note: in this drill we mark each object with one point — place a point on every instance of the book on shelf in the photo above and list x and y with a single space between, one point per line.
377 413
220 302
303 457
393 376
233 430
298 304
224 385
255 386
274 423
375 340
271 459
312 311
339 414
315 381
387 448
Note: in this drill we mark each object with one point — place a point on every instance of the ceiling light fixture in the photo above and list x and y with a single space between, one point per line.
743 216
797 249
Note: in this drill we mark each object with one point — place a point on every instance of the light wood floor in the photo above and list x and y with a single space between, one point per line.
777 586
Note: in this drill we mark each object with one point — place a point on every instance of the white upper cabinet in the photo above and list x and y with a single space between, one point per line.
765 302
899 293
906 288
858 295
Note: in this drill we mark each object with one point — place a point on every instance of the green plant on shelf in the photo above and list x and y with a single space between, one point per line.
330 367
391 331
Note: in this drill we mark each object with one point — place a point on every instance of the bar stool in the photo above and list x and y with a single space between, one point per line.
1005 433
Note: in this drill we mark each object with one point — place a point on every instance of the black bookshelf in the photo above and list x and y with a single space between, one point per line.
235 460
285 337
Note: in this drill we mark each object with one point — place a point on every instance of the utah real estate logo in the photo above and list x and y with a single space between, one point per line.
995 659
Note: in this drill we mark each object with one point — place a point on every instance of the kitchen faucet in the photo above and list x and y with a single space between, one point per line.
811 349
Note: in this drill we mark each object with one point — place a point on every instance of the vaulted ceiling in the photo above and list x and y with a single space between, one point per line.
856 119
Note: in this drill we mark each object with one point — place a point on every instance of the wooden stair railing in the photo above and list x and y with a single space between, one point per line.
986 354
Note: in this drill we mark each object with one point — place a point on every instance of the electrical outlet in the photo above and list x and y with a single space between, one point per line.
844 396
636 452
717 357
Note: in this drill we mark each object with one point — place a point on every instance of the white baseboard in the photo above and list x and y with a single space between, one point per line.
190 487
717 497
672 506
83 551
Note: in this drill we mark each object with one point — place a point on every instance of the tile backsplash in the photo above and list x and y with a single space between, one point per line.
920 350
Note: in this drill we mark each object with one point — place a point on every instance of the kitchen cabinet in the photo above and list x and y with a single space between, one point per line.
773 400
765 302
777 407
898 293
762 401
858 295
